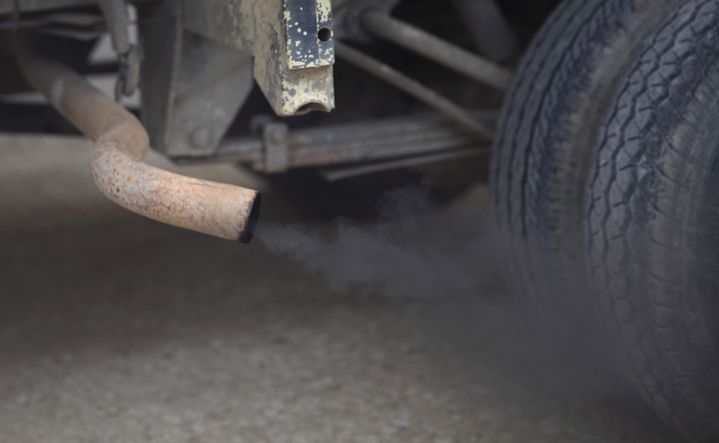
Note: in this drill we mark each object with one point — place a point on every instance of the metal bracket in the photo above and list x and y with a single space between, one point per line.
194 87
291 42
277 147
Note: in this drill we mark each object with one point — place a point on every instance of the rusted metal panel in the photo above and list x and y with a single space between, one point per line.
294 75
216 209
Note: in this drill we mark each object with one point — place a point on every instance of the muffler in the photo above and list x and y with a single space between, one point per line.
217 209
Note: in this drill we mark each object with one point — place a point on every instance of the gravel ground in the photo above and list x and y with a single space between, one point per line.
114 328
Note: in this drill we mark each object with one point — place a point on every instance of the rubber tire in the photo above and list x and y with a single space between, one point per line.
543 150
653 225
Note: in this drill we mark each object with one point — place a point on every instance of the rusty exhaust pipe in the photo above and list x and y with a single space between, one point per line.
217 209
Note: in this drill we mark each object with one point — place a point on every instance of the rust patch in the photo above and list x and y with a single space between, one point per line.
216 209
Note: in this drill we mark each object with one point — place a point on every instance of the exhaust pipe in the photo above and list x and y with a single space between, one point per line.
121 142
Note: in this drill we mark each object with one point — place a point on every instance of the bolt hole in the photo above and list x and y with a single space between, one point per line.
324 34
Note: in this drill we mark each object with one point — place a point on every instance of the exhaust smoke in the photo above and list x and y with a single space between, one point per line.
415 249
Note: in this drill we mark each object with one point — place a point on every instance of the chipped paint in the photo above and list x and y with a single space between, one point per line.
309 33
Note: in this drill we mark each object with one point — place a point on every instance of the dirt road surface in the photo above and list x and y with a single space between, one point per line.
114 328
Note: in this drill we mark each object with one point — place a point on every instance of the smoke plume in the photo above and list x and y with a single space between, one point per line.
415 249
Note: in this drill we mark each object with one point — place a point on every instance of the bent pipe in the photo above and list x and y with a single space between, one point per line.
217 209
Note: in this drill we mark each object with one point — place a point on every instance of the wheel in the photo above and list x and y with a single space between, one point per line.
544 144
653 220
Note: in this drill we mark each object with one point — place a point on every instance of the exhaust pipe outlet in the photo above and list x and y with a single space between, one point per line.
121 142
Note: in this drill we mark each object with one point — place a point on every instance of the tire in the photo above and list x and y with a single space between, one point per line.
653 225
543 149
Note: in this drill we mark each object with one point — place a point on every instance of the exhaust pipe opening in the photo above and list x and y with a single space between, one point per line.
249 232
